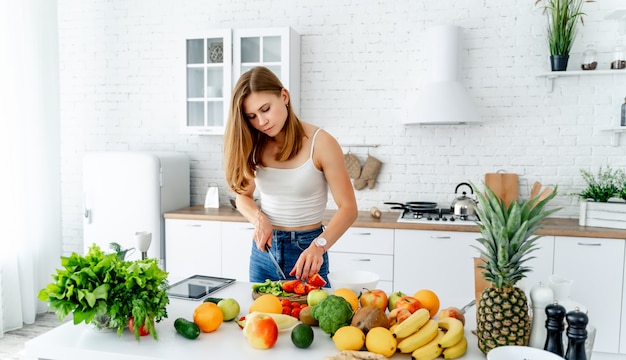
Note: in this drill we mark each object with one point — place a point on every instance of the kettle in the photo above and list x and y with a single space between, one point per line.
463 205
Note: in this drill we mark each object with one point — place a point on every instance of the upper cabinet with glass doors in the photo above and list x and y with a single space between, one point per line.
208 80
278 49
213 69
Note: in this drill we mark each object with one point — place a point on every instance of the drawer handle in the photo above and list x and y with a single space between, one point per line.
195 225
589 244
361 259
363 234
439 237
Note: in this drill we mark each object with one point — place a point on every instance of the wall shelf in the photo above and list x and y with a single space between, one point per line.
551 75
616 131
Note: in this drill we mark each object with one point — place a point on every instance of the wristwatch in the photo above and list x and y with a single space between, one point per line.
320 242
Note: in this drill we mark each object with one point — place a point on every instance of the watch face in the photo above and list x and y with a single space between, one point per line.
321 242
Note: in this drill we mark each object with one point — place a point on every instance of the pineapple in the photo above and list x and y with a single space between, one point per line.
507 239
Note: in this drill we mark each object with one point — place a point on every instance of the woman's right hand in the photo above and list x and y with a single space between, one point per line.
262 231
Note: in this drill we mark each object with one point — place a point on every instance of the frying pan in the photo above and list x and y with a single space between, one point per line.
413 205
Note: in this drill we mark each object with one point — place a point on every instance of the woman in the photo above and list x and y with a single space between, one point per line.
292 164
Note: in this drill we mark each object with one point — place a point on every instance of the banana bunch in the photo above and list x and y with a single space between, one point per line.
426 339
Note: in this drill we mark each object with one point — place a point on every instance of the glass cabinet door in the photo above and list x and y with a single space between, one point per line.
278 49
208 83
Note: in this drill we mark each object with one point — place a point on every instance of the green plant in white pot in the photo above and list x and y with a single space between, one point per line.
563 19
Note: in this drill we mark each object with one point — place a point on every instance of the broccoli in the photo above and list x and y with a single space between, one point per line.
332 313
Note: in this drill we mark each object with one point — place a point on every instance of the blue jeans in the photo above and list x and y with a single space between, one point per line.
286 247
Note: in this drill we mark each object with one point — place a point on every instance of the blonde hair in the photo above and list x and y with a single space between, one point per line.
243 144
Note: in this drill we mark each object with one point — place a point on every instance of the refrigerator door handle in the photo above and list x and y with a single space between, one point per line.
87 211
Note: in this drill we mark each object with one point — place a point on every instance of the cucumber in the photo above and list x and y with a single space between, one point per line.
186 328
214 300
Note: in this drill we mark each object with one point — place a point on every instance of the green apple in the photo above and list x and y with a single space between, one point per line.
315 296
230 308
393 297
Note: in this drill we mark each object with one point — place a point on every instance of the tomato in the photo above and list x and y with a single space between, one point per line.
286 310
317 280
288 286
143 329
295 312
308 288
285 302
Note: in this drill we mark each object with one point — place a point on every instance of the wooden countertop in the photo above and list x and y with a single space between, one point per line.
388 220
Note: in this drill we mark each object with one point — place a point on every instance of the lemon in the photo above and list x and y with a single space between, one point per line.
380 341
267 303
349 338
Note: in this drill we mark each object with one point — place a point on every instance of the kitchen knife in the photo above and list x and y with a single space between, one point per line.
280 271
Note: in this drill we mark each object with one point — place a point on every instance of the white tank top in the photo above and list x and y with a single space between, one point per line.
293 197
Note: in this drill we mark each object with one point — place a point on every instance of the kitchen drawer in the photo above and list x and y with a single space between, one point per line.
379 264
366 240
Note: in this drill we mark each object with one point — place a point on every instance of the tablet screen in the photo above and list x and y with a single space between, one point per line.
198 286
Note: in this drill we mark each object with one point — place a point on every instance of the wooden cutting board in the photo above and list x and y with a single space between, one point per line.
504 185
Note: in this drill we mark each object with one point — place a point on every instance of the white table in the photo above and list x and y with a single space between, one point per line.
79 342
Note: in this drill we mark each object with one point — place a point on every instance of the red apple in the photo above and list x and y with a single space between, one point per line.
398 315
393 297
452 312
376 298
409 302
261 331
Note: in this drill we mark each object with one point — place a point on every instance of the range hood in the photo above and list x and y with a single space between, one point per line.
443 100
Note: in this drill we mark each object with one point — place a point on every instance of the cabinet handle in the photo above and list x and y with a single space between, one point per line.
363 234
361 259
439 237
194 225
589 244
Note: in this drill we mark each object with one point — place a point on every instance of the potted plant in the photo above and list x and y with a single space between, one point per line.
507 239
563 18
107 291
603 199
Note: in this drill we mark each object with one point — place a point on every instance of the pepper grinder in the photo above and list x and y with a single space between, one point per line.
576 335
540 296
554 324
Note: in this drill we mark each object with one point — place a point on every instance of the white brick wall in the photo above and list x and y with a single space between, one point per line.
122 87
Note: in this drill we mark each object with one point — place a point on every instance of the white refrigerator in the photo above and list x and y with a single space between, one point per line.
128 192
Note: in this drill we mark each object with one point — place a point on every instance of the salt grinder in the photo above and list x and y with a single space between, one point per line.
576 335
540 296
554 324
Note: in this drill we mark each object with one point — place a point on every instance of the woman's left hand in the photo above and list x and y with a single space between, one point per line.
309 263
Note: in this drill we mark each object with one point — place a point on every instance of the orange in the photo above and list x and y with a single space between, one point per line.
208 317
429 300
350 297
267 303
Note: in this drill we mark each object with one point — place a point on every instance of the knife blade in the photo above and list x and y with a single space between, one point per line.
280 271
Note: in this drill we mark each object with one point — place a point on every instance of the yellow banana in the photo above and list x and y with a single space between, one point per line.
454 331
456 351
429 351
412 323
419 338
283 321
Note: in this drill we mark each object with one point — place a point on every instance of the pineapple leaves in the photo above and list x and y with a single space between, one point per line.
507 235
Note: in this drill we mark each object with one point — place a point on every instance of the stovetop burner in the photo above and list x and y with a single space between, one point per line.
434 215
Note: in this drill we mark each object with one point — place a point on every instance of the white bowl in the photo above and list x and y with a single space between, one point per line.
512 352
355 280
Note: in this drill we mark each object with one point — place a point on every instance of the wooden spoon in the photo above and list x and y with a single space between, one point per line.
545 193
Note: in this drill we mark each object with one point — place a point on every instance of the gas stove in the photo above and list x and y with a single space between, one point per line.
435 215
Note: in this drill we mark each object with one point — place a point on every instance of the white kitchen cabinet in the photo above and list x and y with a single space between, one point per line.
368 249
596 267
236 249
442 261
541 265
208 64
278 49
192 247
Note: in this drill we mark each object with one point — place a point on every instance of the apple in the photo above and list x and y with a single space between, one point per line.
408 302
230 308
452 312
376 298
393 297
315 296
398 315
261 331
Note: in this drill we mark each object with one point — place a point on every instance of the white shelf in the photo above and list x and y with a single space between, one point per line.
551 75
616 131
